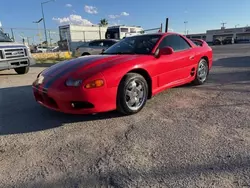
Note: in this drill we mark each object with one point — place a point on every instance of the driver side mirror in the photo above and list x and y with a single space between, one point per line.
164 51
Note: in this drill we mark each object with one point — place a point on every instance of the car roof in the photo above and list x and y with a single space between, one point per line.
104 40
161 34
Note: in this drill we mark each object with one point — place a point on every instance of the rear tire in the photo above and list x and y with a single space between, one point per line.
201 72
132 94
22 70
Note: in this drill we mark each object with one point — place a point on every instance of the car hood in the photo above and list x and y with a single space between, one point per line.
10 44
86 64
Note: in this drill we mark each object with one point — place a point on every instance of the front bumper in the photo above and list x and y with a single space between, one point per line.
94 100
16 63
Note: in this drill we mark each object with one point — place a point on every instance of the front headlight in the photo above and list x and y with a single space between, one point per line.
39 80
74 83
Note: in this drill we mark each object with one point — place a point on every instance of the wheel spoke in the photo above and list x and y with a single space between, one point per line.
132 85
140 95
137 101
131 102
129 93
139 87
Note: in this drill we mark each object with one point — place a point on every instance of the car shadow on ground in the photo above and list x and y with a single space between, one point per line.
8 74
43 65
20 113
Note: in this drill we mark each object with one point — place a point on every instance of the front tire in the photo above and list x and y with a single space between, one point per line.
132 94
22 70
201 72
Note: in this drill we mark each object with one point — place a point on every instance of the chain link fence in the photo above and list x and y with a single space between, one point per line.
66 40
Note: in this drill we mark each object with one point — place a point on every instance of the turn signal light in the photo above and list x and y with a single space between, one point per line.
94 84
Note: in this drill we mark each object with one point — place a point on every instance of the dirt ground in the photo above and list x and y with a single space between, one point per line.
184 137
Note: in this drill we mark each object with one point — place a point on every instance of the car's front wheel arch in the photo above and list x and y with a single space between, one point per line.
132 93
147 77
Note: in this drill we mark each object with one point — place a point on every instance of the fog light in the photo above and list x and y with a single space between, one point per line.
81 105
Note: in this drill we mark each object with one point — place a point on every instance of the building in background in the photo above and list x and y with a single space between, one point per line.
72 36
239 34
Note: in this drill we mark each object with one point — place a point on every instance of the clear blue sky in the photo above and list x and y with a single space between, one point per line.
200 14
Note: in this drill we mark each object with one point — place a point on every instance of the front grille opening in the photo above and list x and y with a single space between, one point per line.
16 63
1 54
25 51
81 105
24 62
45 99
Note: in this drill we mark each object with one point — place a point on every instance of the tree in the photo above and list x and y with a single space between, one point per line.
103 22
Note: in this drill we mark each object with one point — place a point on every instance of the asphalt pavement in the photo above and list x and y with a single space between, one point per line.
184 137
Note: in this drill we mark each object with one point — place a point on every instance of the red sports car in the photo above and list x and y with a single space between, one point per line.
125 75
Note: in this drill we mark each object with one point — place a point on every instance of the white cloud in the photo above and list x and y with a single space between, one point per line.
114 23
90 9
112 16
115 16
73 19
124 14
68 5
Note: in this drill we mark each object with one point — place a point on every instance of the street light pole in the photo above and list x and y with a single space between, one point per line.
38 27
185 27
44 25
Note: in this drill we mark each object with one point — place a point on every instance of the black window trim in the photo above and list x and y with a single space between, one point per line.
190 46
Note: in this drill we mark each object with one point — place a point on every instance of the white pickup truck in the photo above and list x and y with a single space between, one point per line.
14 55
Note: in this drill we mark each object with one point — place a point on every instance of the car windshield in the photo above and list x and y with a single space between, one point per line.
4 37
140 44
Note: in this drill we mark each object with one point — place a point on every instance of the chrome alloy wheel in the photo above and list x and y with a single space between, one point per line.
135 94
202 71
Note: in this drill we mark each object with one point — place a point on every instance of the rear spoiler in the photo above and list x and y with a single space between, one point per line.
199 42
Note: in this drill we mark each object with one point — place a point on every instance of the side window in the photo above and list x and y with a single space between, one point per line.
96 43
183 44
174 41
108 43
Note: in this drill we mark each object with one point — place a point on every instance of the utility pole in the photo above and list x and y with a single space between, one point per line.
185 22
38 27
44 25
223 24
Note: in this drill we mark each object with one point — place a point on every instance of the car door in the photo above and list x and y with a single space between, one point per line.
175 67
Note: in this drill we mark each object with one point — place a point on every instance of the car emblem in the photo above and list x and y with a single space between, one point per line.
16 53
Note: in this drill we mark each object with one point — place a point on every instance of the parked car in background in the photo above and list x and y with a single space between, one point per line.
53 49
94 47
217 42
228 40
14 55
41 49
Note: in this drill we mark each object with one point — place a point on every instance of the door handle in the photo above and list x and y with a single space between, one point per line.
191 57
